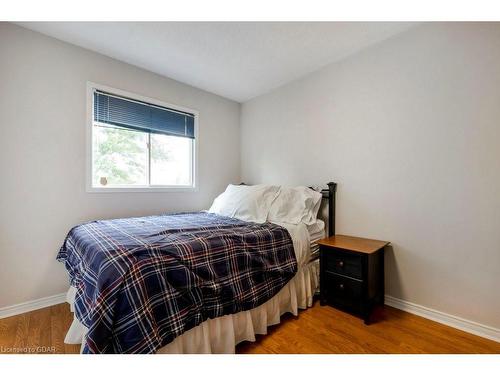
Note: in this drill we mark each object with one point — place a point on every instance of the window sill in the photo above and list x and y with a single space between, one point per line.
142 189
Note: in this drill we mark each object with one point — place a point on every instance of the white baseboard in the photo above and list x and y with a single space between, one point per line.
36 304
444 318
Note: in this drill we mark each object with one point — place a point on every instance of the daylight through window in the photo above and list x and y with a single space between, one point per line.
137 144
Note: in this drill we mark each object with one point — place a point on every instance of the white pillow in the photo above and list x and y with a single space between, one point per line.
249 203
294 205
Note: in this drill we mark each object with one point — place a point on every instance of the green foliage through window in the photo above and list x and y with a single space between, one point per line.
120 156
124 157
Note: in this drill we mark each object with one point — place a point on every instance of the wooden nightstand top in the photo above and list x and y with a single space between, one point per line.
362 245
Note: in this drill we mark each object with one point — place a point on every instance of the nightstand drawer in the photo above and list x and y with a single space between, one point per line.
343 291
344 264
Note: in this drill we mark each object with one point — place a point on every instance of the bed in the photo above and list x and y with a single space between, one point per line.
193 282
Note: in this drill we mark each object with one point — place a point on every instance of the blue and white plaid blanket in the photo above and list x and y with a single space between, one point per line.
141 282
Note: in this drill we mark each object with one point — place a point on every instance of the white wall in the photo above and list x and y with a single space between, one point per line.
410 129
42 154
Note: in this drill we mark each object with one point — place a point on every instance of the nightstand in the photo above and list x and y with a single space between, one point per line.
352 274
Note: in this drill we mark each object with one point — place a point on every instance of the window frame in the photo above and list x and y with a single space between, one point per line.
89 127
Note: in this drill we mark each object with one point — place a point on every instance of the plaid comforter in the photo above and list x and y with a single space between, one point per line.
141 282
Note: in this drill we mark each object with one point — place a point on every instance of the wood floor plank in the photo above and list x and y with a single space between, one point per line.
22 331
7 332
319 329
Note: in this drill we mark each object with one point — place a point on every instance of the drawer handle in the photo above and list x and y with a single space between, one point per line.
341 286
341 264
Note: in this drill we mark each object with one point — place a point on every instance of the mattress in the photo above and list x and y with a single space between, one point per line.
304 238
316 232
143 281
222 334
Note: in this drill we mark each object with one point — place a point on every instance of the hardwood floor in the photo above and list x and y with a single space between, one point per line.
44 329
323 329
320 329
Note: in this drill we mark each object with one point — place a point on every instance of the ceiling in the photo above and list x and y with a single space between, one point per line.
237 60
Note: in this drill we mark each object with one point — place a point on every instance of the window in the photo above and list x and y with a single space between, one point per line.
139 144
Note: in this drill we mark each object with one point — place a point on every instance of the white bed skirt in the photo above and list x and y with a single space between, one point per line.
221 335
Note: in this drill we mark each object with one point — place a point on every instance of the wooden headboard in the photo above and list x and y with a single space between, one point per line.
329 195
